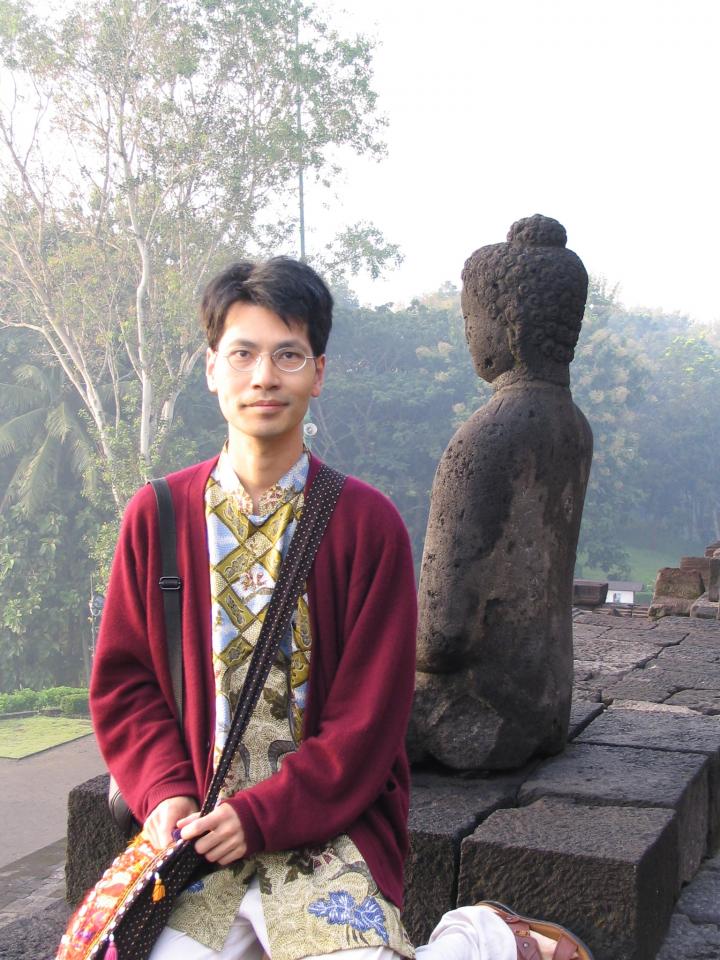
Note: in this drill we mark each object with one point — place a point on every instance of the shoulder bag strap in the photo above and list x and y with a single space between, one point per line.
317 510
170 584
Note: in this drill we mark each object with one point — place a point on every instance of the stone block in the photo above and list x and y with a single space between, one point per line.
688 940
669 607
713 581
701 564
93 839
606 655
703 609
662 678
582 712
35 937
674 582
665 729
611 878
589 593
699 900
697 647
443 810
702 701
711 548
664 633
633 776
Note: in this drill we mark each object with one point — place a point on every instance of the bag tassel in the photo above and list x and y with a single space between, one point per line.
111 952
159 889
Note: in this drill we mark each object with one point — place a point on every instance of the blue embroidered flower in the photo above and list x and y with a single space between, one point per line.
340 907
195 887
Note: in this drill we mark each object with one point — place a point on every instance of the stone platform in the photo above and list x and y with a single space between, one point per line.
603 838
616 836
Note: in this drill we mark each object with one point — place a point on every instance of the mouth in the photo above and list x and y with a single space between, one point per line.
265 403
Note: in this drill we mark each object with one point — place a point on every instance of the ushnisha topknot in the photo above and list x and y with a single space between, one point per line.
538 231
533 285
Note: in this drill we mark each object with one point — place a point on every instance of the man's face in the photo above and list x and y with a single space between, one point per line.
263 403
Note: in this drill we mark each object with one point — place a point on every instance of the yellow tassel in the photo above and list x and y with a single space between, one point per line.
159 889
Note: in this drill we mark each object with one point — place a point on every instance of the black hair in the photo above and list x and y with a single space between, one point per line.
290 288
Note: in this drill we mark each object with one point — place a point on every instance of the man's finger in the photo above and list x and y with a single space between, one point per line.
188 819
195 828
223 853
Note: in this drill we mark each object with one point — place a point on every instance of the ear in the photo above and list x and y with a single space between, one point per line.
319 378
210 361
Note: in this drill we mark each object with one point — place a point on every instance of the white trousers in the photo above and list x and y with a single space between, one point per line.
468 933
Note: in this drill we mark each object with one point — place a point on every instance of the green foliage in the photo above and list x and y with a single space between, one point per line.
398 383
75 705
18 700
53 696
45 585
43 432
681 445
27 699
188 119
610 376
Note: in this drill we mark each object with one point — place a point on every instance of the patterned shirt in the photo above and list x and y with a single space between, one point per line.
315 900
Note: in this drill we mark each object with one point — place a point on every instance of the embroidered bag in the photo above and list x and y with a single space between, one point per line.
124 914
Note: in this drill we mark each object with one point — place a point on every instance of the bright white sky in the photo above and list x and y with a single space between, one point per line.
600 113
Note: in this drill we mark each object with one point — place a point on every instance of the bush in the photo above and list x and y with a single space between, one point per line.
75 704
25 699
22 699
52 697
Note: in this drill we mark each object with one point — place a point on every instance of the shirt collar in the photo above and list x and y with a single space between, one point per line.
286 488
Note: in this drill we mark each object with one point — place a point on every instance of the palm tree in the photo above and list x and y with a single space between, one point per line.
45 436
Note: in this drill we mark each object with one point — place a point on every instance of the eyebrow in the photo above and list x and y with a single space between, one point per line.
252 344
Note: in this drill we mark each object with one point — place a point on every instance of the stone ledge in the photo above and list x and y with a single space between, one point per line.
443 810
611 879
93 838
633 776
665 729
35 937
686 939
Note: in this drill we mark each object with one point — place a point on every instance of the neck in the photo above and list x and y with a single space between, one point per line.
260 462
521 376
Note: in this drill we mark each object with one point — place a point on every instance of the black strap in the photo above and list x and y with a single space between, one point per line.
170 584
317 510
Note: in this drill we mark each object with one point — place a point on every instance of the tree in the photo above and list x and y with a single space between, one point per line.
163 141
609 378
45 435
398 383
681 440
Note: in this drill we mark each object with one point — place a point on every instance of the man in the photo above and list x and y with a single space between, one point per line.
305 850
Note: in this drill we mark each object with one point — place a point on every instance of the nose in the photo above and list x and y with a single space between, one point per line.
264 373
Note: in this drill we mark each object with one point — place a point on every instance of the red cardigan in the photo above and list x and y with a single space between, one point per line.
350 773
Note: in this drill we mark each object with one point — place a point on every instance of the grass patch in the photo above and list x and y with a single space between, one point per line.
645 563
27 735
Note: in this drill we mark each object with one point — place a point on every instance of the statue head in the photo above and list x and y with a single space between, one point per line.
523 302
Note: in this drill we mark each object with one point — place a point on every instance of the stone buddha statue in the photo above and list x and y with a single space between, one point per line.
494 645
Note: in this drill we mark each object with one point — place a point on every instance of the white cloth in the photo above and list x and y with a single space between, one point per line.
468 933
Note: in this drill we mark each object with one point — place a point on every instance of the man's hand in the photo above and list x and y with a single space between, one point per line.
165 818
222 839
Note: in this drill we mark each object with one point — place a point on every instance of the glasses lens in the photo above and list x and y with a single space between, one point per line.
242 359
289 360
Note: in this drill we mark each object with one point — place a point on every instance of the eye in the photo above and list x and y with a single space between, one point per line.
290 355
240 354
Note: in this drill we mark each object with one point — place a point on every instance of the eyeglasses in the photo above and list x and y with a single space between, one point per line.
286 359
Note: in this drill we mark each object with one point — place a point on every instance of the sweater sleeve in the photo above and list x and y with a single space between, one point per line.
131 697
337 774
